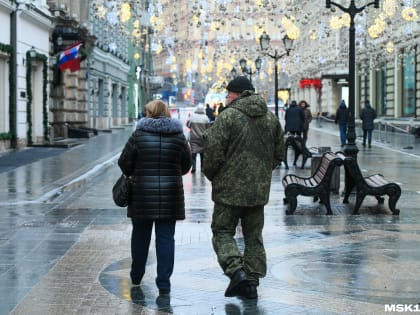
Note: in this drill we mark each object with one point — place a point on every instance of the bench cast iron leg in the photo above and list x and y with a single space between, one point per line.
348 184
359 199
292 204
304 158
392 202
325 199
285 157
296 157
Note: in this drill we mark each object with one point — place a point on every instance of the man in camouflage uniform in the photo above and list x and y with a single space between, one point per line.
242 148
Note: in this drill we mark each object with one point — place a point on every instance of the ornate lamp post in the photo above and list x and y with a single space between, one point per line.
350 148
265 44
245 69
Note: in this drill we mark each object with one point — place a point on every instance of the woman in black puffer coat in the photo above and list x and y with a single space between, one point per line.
155 156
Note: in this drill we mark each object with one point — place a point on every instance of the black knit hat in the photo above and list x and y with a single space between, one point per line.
240 84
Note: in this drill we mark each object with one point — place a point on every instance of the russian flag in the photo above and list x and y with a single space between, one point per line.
70 58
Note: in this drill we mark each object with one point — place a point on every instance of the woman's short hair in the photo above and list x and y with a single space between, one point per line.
304 103
157 108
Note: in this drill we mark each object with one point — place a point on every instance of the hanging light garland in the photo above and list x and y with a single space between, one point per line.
409 14
125 12
240 22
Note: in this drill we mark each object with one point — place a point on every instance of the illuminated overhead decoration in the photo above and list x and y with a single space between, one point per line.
313 35
389 7
283 95
208 38
337 22
100 11
291 28
125 12
231 29
376 29
389 47
409 14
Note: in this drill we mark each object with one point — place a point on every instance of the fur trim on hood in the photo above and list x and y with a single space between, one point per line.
160 125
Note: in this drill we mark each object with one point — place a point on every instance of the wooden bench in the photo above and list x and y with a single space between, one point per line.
374 185
317 185
300 149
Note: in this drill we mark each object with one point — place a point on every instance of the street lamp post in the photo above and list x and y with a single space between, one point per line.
245 69
350 148
32 52
265 43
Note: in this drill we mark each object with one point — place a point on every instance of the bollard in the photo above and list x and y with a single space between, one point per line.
379 132
408 135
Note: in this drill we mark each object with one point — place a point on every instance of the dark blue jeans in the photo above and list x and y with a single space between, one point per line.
368 133
165 249
343 133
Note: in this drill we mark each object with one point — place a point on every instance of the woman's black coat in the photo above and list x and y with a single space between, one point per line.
156 156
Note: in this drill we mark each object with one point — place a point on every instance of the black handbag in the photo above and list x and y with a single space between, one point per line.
121 191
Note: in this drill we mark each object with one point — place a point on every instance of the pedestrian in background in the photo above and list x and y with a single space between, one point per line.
198 122
341 118
294 120
367 115
215 113
220 108
210 113
308 118
155 156
242 147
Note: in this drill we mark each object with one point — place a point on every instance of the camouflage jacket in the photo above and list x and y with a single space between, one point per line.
241 148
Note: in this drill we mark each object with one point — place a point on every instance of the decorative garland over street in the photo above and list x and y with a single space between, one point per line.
12 106
44 60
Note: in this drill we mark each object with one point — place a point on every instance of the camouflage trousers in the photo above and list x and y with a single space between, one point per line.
228 250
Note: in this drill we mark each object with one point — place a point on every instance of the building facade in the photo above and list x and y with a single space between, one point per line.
39 103
24 45
194 46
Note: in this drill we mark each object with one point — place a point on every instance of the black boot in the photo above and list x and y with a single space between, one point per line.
237 285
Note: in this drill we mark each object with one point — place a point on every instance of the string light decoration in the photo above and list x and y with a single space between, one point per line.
214 35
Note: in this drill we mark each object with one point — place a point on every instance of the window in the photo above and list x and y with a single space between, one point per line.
4 104
101 110
408 85
380 101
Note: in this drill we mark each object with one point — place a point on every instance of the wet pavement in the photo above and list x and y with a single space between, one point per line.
65 247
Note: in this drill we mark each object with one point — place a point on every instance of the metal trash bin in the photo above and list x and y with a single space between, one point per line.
316 159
